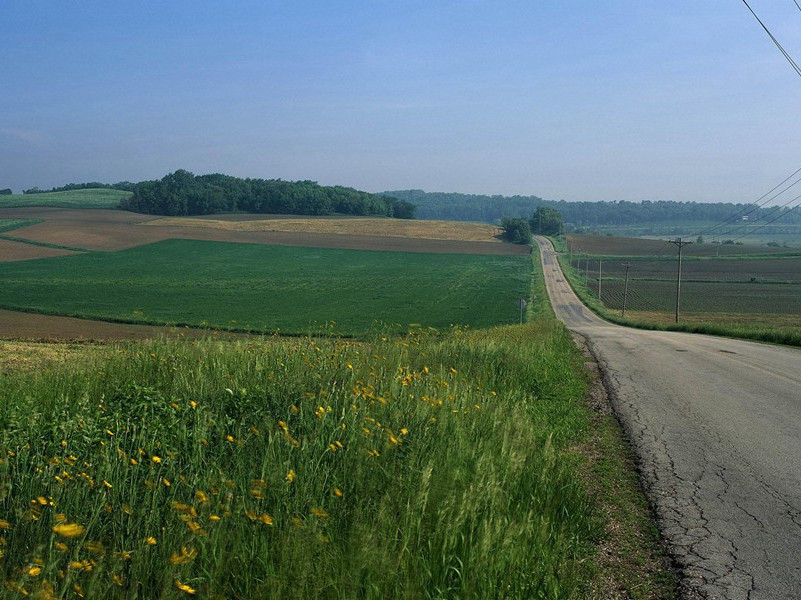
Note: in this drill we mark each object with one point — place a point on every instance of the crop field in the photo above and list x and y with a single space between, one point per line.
704 297
437 230
266 288
596 245
758 288
91 198
431 465
118 230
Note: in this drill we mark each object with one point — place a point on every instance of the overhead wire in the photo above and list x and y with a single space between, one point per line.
757 204
784 52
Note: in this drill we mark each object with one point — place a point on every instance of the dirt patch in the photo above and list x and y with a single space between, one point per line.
118 230
433 230
10 251
30 356
35 327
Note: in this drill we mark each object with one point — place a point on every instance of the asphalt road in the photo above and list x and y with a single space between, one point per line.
716 425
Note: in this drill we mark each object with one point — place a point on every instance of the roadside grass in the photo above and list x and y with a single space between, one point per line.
89 198
424 466
254 287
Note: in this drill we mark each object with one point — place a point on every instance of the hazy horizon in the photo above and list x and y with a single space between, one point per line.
575 101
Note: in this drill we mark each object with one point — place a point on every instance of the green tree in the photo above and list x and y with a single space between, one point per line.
515 230
546 221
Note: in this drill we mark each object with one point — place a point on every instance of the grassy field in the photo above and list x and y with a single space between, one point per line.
266 288
91 198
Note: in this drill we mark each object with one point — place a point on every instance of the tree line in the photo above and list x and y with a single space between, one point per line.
491 209
183 193
125 186
543 221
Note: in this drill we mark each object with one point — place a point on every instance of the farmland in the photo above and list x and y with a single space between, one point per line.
439 230
741 287
266 288
89 198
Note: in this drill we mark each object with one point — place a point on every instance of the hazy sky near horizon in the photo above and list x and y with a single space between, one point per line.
580 100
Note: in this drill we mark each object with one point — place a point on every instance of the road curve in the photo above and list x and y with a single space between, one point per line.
716 425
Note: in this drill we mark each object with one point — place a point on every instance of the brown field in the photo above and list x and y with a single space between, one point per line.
623 246
431 230
117 230
10 250
16 325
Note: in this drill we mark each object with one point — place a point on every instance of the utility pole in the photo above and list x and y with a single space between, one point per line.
678 243
600 279
570 249
587 268
625 288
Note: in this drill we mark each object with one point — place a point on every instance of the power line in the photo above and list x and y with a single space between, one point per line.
797 5
766 224
756 204
770 212
784 52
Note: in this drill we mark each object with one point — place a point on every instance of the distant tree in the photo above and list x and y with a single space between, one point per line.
183 193
546 221
699 239
516 230
6 192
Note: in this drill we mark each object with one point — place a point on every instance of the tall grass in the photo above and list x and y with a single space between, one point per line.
434 465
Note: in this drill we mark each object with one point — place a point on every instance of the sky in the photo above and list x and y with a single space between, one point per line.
565 99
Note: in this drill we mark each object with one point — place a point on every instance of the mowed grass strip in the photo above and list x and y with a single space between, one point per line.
90 198
430 466
435 230
267 288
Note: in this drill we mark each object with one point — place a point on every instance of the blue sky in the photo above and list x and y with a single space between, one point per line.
625 99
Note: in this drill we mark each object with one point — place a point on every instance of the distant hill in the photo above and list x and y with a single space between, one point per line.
490 209
76 198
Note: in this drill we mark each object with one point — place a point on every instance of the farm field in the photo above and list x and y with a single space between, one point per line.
758 289
89 198
118 230
266 288
597 245
439 230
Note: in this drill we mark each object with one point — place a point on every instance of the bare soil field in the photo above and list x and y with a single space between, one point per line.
118 230
622 246
16 325
432 230
10 250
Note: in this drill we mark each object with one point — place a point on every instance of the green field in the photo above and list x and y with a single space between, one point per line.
12 224
91 198
267 288
596 245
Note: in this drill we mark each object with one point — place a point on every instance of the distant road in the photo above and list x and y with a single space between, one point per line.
716 425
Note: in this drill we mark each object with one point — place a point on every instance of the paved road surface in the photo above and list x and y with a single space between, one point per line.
716 424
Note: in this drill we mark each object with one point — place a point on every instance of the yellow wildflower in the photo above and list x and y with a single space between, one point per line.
4 524
290 477
155 459
266 519
61 546
185 588
201 496
319 512
338 492
34 571
69 530
150 541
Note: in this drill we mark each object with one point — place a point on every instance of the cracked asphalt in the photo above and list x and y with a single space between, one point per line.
716 426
